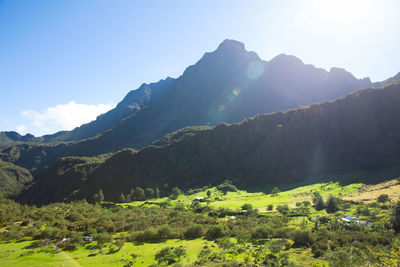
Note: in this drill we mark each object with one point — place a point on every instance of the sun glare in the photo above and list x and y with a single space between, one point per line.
342 10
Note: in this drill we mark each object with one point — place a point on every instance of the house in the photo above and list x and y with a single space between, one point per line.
349 219
200 199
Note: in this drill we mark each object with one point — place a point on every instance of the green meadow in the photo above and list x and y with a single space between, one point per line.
255 235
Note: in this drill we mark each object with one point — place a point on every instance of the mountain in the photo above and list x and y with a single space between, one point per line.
356 136
226 85
134 101
7 138
13 179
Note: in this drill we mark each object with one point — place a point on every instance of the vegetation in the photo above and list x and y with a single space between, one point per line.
236 228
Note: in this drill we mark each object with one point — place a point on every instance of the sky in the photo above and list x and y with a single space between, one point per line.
62 63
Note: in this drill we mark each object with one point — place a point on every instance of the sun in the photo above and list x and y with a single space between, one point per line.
345 11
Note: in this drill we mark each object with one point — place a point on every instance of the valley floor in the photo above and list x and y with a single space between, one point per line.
281 229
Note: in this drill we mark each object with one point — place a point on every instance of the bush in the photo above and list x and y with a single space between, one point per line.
148 235
270 207
318 201
170 255
247 206
262 232
383 198
332 205
175 193
283 209
395 217
227 186
164 232
194 231
302 239
275 191
215 231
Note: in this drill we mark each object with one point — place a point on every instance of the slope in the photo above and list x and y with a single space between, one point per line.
13 179
226 85
357 133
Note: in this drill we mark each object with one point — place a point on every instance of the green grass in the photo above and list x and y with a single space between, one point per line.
234 200
11 254
18 254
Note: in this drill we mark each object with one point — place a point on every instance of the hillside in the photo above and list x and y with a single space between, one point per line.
13 179
226 85
352 135
370 193
133 102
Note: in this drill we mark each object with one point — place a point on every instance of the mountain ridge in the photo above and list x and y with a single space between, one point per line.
226 85
351 134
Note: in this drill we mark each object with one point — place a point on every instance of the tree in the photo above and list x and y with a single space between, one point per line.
119 243
247 206
121 198
383 198
95 198
275 191
318 201
215 231
283 209
270 207
208 193
194 231
395 217
332 205
302 239
157 193
101 195
101 239
139 194
149 192
175 193
170 255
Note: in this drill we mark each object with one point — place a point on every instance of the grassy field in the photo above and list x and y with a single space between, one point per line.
370 193
20 254
143 254
234 200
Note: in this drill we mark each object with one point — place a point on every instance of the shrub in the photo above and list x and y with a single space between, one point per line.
270 207
332 205
302 239
383 198
275 191
262 232
227 186
395 217
247 206
318 201
164 232
215 231
170 255
283 209
175 193
194 231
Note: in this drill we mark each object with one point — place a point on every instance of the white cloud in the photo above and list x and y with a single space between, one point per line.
21 129
63 117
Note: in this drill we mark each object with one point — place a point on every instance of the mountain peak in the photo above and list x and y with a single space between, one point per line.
229 44
286 59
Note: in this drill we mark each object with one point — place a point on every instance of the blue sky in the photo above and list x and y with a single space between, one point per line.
64 62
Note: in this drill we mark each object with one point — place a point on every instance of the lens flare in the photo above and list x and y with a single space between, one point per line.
255 70
236 91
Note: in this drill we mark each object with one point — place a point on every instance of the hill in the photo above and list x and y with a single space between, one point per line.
13 179
352 135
